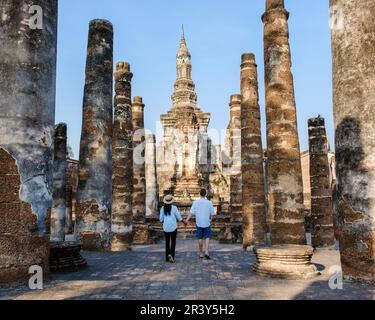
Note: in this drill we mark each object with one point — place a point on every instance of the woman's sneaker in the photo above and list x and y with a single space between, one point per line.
170 259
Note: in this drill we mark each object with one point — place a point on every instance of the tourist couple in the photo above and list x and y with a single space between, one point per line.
202 209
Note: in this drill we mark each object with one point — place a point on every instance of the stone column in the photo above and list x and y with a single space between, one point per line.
95 175
253 197
139 180
321 192
151 177
353 44
122 175
284 163
27 112
58 217
235 174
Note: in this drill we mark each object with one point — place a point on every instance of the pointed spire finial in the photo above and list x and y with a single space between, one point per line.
183 41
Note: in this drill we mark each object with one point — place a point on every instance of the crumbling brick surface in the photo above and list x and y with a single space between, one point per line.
234 130
94 195
253 192
58 215
321 192
122 161
20 243
353 48
285 211
27 112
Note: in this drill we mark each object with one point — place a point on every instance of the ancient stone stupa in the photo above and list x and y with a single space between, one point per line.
185 153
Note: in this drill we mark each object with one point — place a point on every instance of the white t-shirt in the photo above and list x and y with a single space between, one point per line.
203 211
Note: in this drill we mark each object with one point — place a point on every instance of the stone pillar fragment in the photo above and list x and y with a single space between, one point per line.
139 180
58 216
151 177
353 49
253 196
122 172
235 172
285 210
27 112
94 193
321 192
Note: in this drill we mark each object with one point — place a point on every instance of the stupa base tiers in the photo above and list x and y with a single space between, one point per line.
285 261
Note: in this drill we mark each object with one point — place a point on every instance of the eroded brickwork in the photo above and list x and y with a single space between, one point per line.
71 194
122 161
253 196
58 215
151 177
321 192
353 48
140 233
234 131
285 189
27 112
95 175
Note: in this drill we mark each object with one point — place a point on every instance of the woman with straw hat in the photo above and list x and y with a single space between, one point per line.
169 216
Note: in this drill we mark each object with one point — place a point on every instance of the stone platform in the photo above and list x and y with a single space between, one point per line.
66 257
285 262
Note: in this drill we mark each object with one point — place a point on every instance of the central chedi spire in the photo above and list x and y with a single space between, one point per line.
185 126
184 89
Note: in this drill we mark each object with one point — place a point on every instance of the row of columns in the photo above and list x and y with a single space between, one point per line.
28 65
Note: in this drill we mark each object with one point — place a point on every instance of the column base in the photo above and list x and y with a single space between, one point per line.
285 262
66 257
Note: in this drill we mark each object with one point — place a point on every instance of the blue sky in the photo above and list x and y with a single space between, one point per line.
147 35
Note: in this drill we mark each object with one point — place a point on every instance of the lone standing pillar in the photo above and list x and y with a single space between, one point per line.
253 196
285 214
353 44
122 175
58 216
235 173
27 112
321 192
139 178
94 193
151 177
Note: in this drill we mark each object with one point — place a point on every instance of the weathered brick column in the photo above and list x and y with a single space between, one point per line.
353 44
122 175
27 112
95 175
58 216
321 192
151 177
236 213
284 164
139 180
253 196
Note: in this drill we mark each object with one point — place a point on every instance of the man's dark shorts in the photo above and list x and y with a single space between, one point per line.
203 233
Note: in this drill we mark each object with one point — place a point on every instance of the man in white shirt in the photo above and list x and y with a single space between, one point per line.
203 210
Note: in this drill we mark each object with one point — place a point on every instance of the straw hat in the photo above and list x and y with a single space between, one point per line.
168 199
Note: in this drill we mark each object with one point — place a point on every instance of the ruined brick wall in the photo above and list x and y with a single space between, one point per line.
27 112
94 194
353 49
285 188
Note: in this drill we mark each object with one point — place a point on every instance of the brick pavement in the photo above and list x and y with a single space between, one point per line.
143 274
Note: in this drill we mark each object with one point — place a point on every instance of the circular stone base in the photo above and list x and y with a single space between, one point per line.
66 257
285 262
